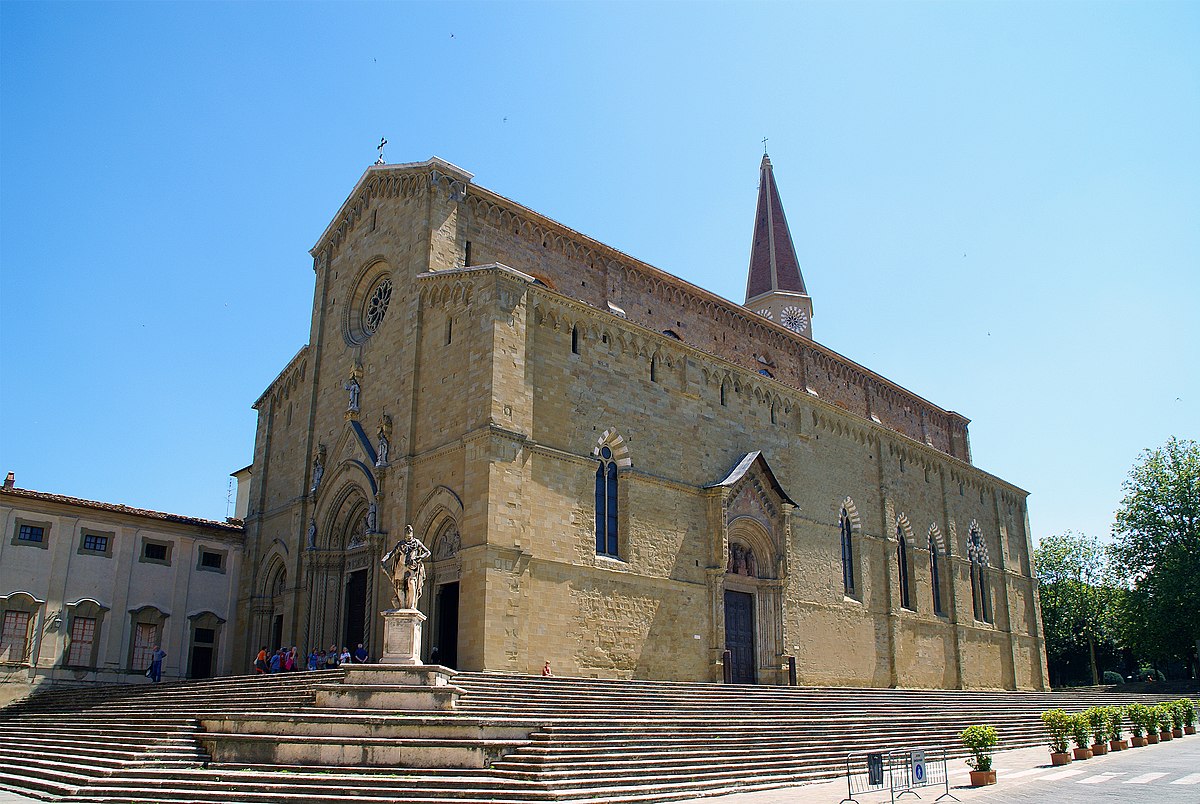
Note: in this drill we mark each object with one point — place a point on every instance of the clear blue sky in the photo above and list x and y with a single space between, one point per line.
996 205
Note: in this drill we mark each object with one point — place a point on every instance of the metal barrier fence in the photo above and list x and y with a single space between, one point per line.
896 773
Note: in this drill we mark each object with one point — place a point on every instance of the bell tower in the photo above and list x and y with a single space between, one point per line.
775 287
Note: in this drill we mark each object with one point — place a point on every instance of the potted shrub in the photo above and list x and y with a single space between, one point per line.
1152 716
1189 715
1058 728
1176 709
1081 735
1097 718
980 741
1115 727
1164 721
1138 717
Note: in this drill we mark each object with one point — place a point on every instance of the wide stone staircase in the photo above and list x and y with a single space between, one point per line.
509 738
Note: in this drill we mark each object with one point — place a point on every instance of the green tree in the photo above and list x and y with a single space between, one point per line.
1158 546
1080 601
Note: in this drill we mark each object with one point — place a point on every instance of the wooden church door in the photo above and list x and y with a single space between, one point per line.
739 635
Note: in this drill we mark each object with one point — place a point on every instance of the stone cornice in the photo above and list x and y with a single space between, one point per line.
826 415
359 199
285 377
579 246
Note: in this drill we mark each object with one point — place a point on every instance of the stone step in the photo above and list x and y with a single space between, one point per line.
279 784
394 726
355 750
47 775
278 789
100 754
219 789
130 739
562 739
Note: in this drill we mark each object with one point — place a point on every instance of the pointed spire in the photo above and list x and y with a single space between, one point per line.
773 263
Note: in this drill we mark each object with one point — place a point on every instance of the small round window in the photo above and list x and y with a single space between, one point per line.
376 306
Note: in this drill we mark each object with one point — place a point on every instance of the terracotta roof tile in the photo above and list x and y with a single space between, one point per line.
234 526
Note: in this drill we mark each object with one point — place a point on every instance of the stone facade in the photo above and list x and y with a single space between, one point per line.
763 489
87 588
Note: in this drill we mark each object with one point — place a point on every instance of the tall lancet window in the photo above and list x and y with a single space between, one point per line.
606 504
902 561
847 554
935 576
977 553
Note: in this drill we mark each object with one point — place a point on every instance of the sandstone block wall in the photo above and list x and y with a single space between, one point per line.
499 390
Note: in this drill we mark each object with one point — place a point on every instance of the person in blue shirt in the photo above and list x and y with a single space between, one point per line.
154 673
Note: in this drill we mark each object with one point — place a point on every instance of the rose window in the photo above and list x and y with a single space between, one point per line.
377 305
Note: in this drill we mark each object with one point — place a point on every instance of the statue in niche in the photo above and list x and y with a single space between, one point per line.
385 432
371 521
405 565
355 390
312 533
741 561
318 469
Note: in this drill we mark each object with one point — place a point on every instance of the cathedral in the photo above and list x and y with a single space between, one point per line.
615 471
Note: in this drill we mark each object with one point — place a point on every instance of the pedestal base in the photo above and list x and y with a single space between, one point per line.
402 636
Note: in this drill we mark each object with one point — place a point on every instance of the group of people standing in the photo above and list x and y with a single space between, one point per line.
286 660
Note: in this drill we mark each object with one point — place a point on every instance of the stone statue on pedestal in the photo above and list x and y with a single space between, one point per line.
406 569
355 389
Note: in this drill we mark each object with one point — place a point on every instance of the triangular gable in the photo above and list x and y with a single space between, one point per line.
750 461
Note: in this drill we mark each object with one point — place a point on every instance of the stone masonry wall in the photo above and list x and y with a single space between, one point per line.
490 406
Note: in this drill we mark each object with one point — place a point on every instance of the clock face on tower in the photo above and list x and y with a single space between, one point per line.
794 319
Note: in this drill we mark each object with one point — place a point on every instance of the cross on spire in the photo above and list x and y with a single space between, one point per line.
382 142
764 146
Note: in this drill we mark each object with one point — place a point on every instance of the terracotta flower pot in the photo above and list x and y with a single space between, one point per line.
1177 733
1083 753
1164 735
1117 745
1151 739
1060 758
981 778
1138 742
1099 749
1189 729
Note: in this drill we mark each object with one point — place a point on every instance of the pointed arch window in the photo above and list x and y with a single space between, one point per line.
935 575
977 553
845 526
574 340
902 561
606 504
